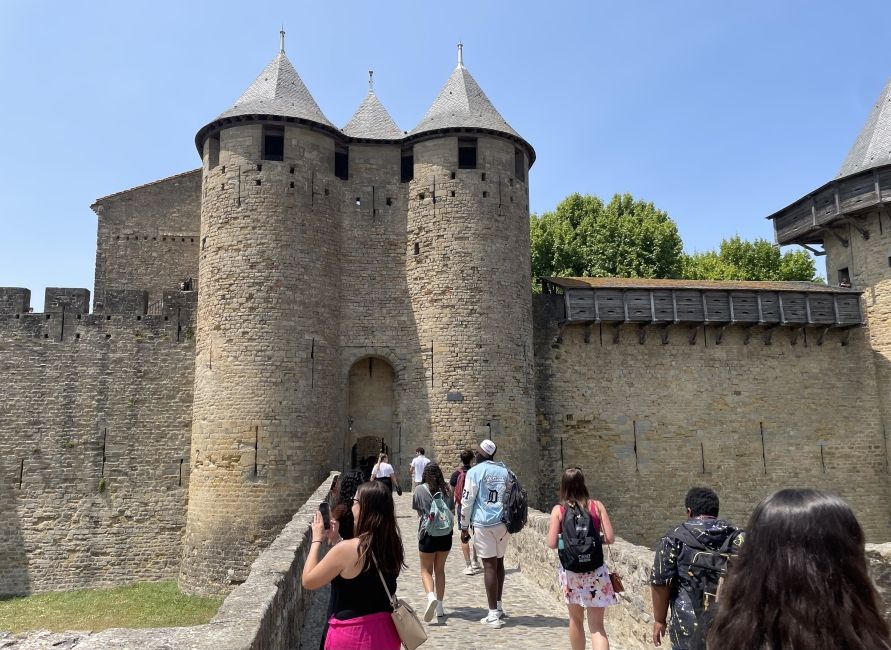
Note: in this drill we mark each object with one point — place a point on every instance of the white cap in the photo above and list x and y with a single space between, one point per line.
487 447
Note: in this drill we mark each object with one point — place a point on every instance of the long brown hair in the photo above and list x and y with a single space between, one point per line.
800 581
435 482
376 528
573 488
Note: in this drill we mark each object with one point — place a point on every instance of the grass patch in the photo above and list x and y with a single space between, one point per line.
144 604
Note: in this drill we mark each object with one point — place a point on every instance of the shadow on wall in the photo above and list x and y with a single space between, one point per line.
14 578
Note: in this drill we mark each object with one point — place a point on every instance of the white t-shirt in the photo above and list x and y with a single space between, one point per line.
383 470
417 466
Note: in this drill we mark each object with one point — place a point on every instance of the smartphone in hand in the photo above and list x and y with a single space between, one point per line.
325 509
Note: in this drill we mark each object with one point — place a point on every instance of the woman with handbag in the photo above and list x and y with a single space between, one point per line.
433 550
575 527
362 572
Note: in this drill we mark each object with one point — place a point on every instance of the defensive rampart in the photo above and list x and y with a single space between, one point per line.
649 417
94 441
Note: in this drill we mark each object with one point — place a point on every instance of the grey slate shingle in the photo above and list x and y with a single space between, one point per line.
872 147
371 121
278 91
462 104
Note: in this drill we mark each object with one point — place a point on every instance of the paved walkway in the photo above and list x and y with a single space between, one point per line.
535 619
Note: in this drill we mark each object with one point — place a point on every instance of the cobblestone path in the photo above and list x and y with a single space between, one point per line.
535 619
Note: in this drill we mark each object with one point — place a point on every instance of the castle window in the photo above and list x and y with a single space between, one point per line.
519 164
466 153
417 248
213 151
341 162
389 201
844 277
273 143
408 166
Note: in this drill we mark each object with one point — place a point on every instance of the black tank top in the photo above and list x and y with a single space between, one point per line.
362 595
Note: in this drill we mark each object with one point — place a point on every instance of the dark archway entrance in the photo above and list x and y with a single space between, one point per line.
370 412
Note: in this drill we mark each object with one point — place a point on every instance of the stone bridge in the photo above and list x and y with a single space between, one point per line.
271 611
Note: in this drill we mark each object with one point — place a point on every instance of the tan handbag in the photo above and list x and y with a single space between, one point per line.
408 625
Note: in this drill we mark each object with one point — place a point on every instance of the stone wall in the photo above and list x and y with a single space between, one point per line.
647 421
264 613
629 625
94 442
147 237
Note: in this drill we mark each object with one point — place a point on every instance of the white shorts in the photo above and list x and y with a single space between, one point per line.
490 541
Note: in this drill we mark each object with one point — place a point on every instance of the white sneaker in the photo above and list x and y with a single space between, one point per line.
470 571
501 614
492 621
431 608
476 567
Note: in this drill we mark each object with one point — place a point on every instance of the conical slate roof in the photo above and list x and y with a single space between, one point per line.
278 91
371 121
462 104
873 146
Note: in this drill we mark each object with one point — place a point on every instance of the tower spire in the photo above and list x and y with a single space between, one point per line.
371 81
460 54
281 41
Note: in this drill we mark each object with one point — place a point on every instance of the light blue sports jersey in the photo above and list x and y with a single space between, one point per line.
482 503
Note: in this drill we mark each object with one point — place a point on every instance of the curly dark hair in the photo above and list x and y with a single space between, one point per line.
435 482
343 507
702 501
800 581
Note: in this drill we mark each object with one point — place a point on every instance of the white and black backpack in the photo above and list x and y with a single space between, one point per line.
582 549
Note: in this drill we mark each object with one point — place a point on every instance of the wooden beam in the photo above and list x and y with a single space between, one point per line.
596 307
642 333
780 302
665 333
795 332
694 330
863 231
768 331
720 336
616 332
807 306
813 251
760 310
748 333
674 305
831 231
823 332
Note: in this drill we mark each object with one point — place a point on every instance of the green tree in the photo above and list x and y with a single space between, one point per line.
738 259
624 238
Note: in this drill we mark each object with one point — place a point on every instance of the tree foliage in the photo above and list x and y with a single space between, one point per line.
583 237
624 238
738 259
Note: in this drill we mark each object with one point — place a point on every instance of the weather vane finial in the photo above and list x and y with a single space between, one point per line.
371 81
460 54
281 42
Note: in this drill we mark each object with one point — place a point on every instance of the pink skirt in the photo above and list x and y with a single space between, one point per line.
371 632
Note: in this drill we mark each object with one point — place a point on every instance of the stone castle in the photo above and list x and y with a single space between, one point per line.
312 295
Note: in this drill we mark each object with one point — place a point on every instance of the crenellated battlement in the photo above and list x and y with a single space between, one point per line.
124 316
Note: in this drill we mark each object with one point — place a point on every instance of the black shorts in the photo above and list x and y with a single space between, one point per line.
431 544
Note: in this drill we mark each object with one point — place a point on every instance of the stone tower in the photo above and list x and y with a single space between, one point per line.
468 233
849 217
266 354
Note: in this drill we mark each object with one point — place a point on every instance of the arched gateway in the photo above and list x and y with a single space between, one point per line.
370 412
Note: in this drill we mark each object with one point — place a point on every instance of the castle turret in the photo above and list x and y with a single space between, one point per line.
266 352
469 273
849 218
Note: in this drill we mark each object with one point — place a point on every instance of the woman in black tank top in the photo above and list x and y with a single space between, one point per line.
361 617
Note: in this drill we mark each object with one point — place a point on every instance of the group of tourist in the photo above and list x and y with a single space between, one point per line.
795 579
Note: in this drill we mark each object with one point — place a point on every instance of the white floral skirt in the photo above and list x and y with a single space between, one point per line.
589 589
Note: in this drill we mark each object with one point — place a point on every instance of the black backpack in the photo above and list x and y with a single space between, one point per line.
515 505
582 549
707 570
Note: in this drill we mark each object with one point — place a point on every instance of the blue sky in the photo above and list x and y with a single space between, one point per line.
719 113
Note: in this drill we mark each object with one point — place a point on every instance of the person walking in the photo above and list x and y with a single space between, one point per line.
471 565
586 590
383 471
362 610
482 506
433 549
670 580
800 581
418 463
